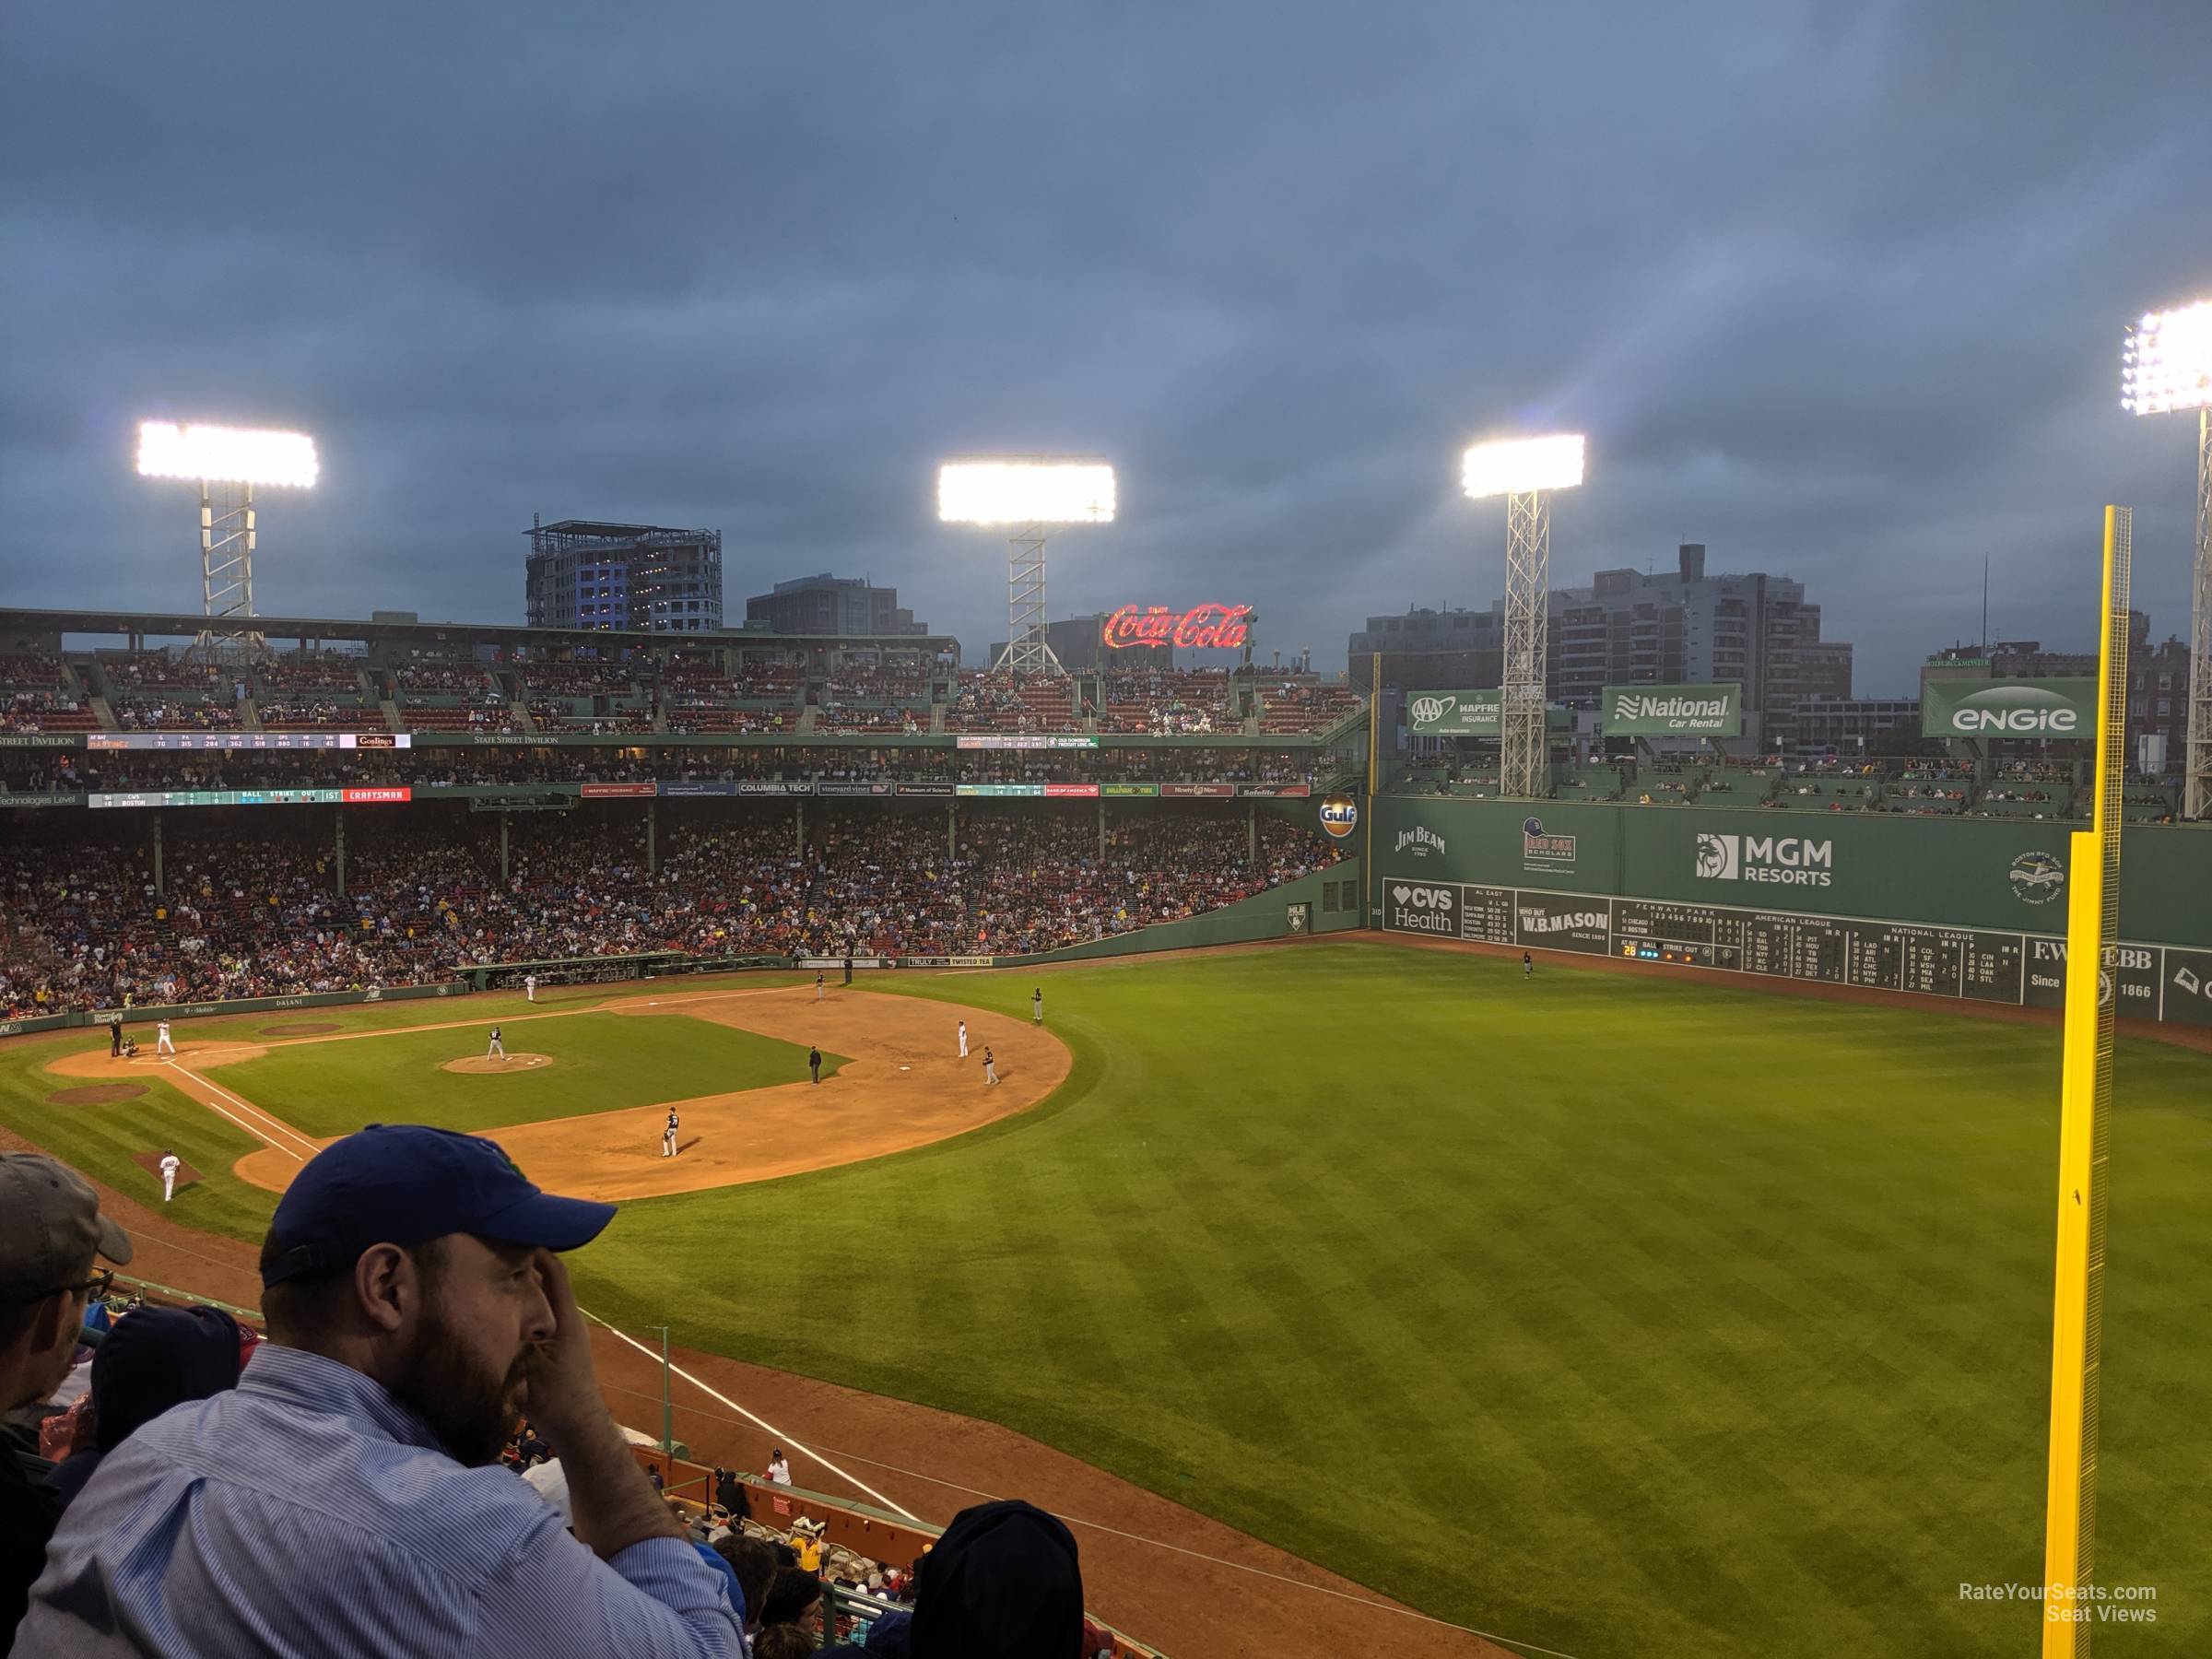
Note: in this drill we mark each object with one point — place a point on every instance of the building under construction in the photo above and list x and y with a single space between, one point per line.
619 577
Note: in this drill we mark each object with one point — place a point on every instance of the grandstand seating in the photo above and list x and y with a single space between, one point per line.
1291 708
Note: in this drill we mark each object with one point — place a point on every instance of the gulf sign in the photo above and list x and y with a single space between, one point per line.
1339 815
1201 628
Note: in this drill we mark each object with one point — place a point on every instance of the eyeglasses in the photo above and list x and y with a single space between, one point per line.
94 1289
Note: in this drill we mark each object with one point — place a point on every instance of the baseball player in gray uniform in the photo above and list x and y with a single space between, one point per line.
668 1134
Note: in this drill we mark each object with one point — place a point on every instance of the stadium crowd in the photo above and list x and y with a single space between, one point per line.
249 905
414 1456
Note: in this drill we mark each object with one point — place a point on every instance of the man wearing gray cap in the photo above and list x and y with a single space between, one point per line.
51 1228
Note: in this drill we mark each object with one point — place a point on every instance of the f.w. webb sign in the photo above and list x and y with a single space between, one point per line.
1673 711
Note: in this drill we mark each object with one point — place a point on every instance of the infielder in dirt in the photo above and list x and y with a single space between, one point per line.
498 1049
818 987
169 1174
990 1065
963 1039
668 1136
162 1045
1037 1004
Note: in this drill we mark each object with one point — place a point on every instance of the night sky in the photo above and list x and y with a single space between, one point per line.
1837 289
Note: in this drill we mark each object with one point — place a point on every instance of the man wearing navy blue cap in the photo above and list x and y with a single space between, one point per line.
346 1498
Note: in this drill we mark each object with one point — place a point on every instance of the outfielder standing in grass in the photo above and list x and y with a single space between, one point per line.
497 1047
1037 1004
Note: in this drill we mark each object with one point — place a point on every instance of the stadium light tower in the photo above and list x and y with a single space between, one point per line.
1028 493
237 460
1524 471
2166 366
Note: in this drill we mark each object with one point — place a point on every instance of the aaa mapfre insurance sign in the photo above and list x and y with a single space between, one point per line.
1201 628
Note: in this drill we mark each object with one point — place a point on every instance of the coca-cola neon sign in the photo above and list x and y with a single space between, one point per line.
1201 628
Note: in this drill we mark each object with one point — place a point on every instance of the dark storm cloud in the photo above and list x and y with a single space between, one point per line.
1836 289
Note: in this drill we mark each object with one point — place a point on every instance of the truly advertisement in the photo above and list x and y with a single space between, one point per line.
1708 711
2018 708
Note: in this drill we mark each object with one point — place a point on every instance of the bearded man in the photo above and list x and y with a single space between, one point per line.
346 1498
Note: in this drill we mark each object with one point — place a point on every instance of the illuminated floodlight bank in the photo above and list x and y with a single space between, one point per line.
1517 466
2167 362
226 454
1026 491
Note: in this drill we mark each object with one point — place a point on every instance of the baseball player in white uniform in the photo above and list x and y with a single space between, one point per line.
529 987
668 1136
498 1049
990 1065
963 1039
169 1174
162 1045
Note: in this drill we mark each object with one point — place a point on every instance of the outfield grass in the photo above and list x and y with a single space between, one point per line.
601 1063
1618 1314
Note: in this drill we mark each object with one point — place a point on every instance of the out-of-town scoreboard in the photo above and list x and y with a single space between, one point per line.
2146 982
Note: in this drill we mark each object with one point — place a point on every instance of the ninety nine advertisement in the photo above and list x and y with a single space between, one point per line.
1673 711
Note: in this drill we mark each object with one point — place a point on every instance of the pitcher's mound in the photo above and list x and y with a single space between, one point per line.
477 1064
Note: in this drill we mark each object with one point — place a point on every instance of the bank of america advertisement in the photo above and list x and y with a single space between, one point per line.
2013 707
1674 710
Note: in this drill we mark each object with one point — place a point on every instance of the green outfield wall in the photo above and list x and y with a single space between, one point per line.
1326 901
1966 907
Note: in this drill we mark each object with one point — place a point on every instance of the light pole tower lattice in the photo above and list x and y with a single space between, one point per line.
1525 471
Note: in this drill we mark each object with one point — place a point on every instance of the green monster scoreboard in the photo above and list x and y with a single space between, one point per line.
2146 982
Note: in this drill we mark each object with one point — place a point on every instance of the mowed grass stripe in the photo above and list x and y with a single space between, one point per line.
1646 1316
600 1063
105 1141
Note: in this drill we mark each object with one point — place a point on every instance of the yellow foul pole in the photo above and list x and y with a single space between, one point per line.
2084 1142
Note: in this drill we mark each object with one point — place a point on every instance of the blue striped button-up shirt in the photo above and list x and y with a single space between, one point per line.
307 1512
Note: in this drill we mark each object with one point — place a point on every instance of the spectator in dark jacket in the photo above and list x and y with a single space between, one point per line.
152 1359
1004 1582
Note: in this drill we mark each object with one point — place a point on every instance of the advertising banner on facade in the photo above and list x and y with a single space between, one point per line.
594 792
938 787
2013 708
772 786
1282 792
1208 791
1089 792
1118 791
1452 714
1673 711
849 786
688 788
1021 740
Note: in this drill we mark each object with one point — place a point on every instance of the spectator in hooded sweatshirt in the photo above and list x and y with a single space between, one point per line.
1004 1582
152 1359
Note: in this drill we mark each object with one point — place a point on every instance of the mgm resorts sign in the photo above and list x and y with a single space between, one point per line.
1673 711
2021 708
